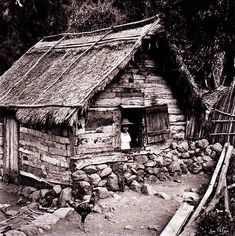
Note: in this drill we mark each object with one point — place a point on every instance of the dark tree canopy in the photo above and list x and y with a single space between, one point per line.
203 30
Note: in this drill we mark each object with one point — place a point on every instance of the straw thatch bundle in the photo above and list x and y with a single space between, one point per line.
54 79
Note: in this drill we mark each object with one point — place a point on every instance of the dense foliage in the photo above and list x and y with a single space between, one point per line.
203 30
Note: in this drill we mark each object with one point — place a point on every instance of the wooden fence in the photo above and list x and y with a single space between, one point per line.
223 119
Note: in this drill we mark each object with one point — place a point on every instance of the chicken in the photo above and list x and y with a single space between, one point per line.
84 208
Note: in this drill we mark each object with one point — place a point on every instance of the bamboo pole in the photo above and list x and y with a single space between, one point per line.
70 65
105 29
38 105
31 68
85 44
116 68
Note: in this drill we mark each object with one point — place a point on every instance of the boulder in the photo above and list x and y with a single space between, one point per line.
30 229
105 172
159 160
63 212
85 187
57 189
208 151
26 191
79 175
48 218
139 166
192 145
129 227
44 192
148 190
141 173
167 161
141 159
152 179
150 163
195 168
204 143
136 186
94 179
55 202
15 233
183 147
149 170
65 195
163 195
174 167
186 155
112 182
131 178
208 166
207 159
101 166
174 145
217 147
35 196
161 175
102 192
90 169
102 183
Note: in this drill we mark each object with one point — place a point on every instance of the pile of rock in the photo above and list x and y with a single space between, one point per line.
46 198
143 167
181 158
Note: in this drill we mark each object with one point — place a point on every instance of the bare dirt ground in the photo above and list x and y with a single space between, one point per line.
131 213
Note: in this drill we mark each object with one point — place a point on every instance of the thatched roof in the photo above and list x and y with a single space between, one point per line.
60 75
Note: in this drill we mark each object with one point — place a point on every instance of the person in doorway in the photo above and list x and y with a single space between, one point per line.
125 136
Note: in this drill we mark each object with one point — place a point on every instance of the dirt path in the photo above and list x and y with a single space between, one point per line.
131 213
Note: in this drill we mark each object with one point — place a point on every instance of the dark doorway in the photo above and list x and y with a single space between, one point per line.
135 116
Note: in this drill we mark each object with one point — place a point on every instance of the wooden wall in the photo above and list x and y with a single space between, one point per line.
100 137
141 84
1 147
44 156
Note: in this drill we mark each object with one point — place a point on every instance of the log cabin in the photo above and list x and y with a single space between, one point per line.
65 98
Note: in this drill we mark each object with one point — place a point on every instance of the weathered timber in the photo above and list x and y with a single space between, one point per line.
10 148
101 30
176 223
100 159
192 221
219 134
53 138
221 182
226 200
222 121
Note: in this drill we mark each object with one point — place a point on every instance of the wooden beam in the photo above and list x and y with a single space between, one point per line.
192 221
221 182
224 113
222 121
11 106
224 134
104 29
176 223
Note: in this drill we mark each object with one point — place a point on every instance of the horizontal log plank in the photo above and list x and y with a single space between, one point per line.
222 134
46 136
178 220
223 121
42 141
